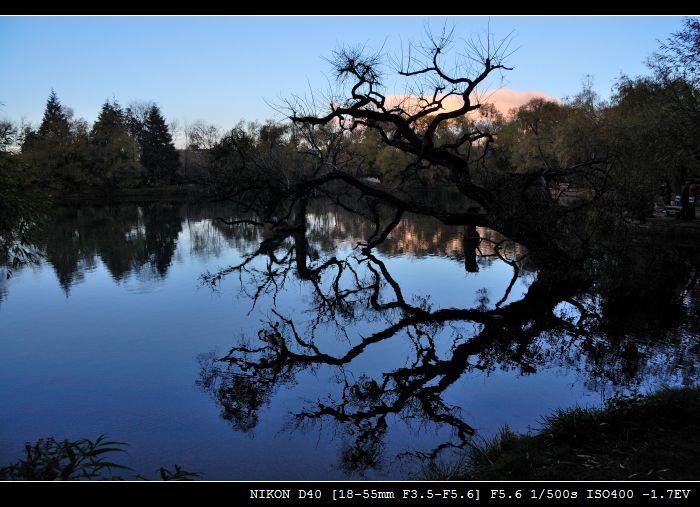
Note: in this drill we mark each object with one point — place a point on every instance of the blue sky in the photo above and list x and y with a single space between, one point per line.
224 69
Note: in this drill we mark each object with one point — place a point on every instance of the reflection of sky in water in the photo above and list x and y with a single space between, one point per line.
118 355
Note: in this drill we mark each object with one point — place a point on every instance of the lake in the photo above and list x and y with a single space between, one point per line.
336 364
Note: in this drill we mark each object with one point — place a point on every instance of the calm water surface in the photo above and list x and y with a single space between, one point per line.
115 332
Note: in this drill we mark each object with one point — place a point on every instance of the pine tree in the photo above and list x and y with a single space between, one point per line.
50 154
114 153
159 157
109 122
55 121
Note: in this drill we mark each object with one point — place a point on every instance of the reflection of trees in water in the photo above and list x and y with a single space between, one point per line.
625 317
564 319
330 228
128 239
3 281
647 300
162 225
142 240
205 239
240 396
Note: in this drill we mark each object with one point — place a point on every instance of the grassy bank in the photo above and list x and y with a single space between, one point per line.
655 437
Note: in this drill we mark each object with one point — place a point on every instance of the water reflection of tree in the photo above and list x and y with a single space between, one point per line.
162 225
648 326
3 288
564 318
126 238
142 239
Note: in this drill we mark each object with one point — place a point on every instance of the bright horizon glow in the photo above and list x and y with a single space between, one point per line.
226 69
504 100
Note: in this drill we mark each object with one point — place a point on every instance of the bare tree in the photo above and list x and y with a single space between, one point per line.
202 136
136 114
434 122
440 96
560 319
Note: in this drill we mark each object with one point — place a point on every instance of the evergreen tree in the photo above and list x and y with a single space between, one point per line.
55 121
49 151
135 118
159 157
113 152
109 121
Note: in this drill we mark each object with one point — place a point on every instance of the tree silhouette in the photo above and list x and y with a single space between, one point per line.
55 120
159 157
439 125
54 153
114 153
563 318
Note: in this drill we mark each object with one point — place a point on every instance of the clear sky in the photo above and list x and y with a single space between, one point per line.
224 69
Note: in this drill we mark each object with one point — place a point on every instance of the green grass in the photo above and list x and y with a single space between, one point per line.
654 437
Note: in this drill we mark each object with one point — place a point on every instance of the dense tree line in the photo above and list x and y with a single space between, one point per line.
124 148
646 134
20 204
550 173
